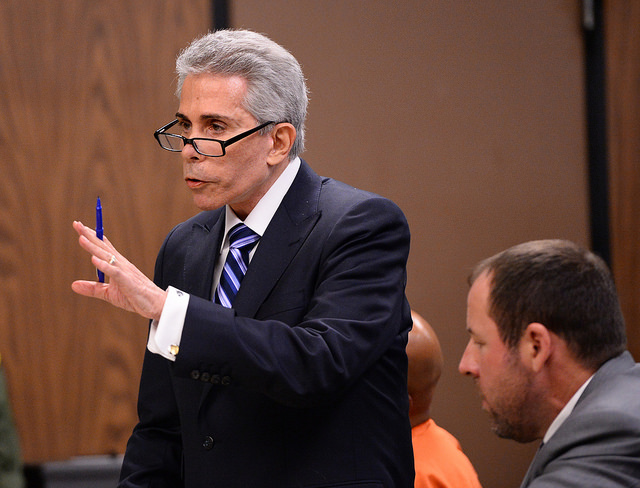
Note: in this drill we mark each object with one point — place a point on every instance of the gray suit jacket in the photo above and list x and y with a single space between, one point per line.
599 444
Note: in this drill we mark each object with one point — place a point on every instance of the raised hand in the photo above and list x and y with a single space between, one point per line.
127 288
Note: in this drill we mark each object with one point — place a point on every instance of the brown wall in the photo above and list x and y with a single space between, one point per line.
83 85
472 118
470 115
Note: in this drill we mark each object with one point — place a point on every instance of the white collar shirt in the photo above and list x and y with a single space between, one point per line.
260 217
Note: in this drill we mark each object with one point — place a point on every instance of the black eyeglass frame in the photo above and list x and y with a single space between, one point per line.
223 144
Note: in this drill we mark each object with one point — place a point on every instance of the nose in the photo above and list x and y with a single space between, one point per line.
468 365
189 152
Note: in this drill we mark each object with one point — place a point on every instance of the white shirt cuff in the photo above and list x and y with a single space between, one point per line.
165 334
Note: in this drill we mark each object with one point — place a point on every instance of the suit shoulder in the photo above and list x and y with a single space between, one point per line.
339 195
620 392
203 219
615 385
612 407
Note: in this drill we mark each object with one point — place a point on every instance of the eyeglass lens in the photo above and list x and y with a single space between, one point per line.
173 142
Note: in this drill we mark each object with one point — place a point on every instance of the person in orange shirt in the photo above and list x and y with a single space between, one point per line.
439 460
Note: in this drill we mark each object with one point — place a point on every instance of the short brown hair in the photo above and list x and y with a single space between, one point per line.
566 288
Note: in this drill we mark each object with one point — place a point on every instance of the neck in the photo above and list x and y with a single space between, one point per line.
567 378
418 418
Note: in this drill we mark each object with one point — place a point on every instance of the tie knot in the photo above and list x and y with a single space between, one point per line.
241 236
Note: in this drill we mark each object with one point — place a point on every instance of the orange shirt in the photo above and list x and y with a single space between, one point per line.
439 460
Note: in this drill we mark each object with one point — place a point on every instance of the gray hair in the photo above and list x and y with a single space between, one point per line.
276 86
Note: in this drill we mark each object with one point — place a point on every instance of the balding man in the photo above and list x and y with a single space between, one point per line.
439 460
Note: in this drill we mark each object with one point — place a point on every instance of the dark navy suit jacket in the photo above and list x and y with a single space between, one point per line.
303 382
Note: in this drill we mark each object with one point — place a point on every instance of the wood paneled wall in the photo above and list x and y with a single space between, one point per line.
470 115
83 85
622 44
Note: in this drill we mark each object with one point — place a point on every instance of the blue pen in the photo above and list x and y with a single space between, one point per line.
99 233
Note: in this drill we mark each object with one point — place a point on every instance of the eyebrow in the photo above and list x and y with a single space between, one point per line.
206 117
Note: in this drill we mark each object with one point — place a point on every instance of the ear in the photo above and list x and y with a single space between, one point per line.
283 137
535 346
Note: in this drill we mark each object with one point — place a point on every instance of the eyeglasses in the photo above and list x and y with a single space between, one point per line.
213 148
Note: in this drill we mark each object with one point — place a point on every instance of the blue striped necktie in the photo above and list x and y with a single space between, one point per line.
241 241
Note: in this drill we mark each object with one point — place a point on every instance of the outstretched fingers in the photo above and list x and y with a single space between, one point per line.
127 288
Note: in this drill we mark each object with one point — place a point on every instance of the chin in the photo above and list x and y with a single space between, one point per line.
204 203
519 433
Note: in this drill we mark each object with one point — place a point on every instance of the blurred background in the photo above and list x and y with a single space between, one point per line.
489 123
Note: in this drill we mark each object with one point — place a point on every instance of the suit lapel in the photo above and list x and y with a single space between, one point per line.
283 238
202 252
532 472
287 231
558 441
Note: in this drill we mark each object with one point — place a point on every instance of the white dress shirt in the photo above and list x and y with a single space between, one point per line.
165 334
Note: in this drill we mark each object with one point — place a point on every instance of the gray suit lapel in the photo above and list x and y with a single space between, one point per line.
533 468
549 450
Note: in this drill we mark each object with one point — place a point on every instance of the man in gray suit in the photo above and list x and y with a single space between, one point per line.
547 350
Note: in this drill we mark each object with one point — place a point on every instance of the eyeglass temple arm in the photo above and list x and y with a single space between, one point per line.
166 127
245 134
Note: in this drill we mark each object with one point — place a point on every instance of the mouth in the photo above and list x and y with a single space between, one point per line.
483 399
194 183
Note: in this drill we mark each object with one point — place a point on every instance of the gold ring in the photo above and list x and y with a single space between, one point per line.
112 260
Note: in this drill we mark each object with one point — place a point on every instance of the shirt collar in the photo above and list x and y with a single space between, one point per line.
260 217
565 412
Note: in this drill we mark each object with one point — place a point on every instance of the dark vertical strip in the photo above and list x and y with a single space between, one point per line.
597 127
221 17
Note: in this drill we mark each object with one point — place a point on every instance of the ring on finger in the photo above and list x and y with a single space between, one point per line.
112 260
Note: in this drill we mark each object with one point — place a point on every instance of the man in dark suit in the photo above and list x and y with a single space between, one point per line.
548 353
300 378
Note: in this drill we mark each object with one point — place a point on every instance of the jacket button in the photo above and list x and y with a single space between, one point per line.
205 377
195 374
226 380
208 443
215 379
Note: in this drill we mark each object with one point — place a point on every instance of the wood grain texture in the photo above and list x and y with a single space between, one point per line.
83 84
622 44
